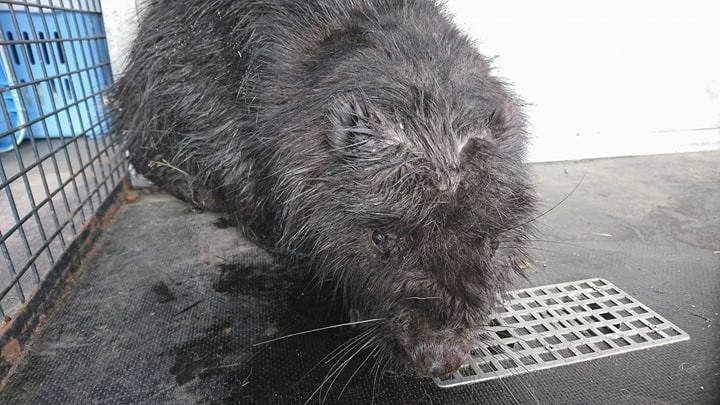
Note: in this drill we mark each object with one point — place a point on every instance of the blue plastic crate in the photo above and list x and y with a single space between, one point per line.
71 74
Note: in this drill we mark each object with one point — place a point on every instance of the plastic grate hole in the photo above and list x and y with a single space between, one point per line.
588 333
607 316
522 331
547 356
640 310
487 367
638 324
591 319
540 328
503 334
516 346
495 349
655 336
558 325
510 320
605 330
585 349
621 342
534 343
671 332
638 339
623 313
566 353
654 320
508 364
545 315
621 327
603 345
570 337
553 340
528 360
467 371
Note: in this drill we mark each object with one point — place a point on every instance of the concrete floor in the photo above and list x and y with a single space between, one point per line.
169 303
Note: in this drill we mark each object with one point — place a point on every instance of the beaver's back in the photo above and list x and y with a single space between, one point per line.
222 101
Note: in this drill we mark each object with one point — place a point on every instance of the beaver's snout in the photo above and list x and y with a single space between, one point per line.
438 355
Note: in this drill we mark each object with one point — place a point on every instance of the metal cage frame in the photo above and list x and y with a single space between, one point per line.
56 184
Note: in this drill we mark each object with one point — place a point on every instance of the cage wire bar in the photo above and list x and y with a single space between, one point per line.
59 162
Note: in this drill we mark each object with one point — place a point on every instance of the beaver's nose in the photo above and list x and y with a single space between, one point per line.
442 367
438 359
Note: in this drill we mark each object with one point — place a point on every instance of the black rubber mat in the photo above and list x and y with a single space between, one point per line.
171 301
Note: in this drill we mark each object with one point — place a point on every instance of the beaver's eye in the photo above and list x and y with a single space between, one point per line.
378 238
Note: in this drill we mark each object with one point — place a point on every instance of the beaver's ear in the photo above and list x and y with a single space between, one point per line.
501 125
503 120
350 132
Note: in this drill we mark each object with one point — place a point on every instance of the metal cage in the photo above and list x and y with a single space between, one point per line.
59 164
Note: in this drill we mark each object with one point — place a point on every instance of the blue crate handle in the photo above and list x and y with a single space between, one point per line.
14 112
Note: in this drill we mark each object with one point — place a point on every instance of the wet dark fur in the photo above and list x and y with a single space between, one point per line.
317 123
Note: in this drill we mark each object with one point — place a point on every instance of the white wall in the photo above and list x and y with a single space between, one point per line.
607 78
120 24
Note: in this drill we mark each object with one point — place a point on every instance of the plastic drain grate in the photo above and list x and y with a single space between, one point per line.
560 324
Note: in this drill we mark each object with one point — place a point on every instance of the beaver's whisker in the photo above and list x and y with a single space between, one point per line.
334 353
422 298
335 368
542 214
318 330
554 242
349 346
520 376
345 364
506 351
372 352
378 366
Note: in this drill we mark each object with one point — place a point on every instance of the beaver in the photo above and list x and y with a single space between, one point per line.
367 138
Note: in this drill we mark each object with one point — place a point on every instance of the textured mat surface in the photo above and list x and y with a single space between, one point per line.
169 304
